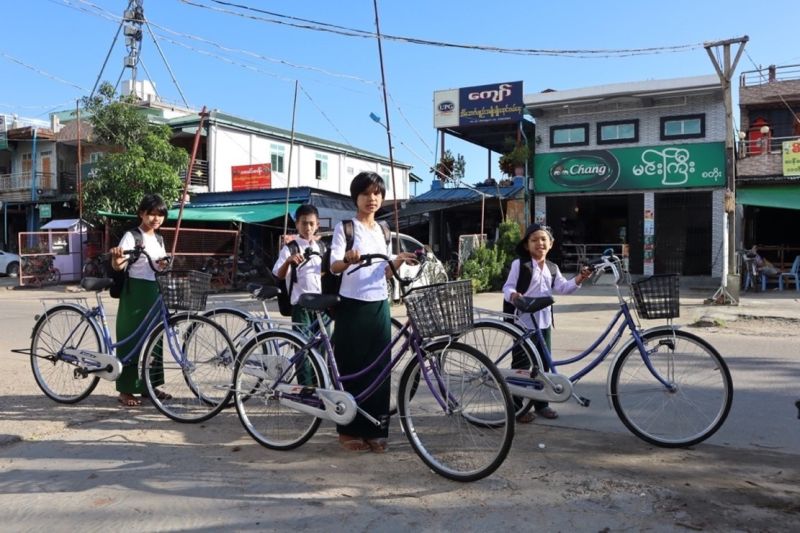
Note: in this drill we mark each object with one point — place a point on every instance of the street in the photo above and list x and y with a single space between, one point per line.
108 468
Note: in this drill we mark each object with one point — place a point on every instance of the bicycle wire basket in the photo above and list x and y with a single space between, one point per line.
184 289
441 309
657 296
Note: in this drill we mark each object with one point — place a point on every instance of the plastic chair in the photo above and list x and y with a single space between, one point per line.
792 275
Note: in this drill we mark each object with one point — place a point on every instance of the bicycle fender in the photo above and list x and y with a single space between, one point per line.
622 350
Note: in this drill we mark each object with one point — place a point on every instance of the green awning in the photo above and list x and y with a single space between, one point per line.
782 196
232 213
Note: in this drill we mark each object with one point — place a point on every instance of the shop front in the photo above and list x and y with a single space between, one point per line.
662 204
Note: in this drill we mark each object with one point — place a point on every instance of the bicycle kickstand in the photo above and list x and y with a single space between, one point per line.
582 400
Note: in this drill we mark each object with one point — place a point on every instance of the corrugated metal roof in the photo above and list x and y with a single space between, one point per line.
465 194
635 88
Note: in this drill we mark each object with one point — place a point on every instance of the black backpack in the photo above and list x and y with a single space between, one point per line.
285 294
331 282
524 281
119 276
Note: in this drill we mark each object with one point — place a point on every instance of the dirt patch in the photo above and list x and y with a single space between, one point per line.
764 326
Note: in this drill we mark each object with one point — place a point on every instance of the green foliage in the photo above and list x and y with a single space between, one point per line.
510 235
450 167
141 159
517 155
485 268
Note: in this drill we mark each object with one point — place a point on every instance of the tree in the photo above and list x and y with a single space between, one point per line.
140 159
450 167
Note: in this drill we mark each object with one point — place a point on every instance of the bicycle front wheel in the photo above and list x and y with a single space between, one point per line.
688 412
187 368
260 407
497 341
440 403
63 326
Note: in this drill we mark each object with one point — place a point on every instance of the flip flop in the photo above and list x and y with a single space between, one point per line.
378 445
353 444
527 418
129 401
547 412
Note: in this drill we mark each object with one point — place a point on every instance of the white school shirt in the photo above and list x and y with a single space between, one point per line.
541 282
308 277
141 269
368 283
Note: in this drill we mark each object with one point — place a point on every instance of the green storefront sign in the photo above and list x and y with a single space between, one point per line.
654 167
45 211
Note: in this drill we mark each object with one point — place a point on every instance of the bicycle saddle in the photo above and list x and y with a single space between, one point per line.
528 304
318 302
96 284
262 292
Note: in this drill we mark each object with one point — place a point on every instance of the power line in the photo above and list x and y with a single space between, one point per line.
42 72
353 32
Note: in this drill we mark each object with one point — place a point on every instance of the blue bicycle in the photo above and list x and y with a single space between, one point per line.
186 360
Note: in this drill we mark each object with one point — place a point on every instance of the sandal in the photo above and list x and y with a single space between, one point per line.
161 395
547 412
128 400
378 445
353 444
526 418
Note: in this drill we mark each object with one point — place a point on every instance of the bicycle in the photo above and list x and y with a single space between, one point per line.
454 406
40 270
72 348
669 387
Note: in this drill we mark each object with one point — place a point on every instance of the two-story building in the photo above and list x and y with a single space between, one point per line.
641 164
768 163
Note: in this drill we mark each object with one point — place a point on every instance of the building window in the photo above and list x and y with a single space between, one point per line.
386 174
683 127
277 152
321 166
570 135
618 131
94 157
27 162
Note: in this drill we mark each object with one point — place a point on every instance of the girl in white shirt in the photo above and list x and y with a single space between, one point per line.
363 327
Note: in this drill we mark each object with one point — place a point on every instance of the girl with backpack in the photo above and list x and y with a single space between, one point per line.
139 290
533 275
363 327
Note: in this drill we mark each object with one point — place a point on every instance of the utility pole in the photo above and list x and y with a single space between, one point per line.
730 276
132 29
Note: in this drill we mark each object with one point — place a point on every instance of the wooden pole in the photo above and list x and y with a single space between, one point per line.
203 115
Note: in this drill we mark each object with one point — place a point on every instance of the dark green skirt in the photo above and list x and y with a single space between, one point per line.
135 301
361 332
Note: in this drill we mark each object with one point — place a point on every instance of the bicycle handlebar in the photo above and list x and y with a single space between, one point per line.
135 252
367 260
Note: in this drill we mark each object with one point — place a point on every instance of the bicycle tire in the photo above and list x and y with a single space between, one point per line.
53 276
239 325
494 339
194 385
704 389
62 327
260 410
448 442
397 370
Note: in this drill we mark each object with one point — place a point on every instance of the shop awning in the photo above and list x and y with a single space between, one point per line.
782 196
232 213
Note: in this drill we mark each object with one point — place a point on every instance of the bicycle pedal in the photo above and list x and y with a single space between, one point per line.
583 401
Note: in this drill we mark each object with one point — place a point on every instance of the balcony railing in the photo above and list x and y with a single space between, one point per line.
20 186
764 145
770 74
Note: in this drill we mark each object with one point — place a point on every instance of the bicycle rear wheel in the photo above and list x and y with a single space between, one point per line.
439 405
496 340
63 326
187 368
261 409
696 406
239 325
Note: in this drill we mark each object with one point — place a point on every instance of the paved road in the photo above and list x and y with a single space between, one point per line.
107 468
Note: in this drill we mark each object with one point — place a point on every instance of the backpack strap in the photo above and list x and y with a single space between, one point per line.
526 274
294 248
349 237
387 231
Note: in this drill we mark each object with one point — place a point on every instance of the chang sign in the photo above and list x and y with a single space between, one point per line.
652 167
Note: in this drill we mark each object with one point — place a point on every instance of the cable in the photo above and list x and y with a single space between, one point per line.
41 72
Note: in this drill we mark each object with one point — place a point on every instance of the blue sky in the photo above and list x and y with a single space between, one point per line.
248 67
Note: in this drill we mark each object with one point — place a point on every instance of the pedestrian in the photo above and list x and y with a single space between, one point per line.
363 327
139 293
306 279
545 279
